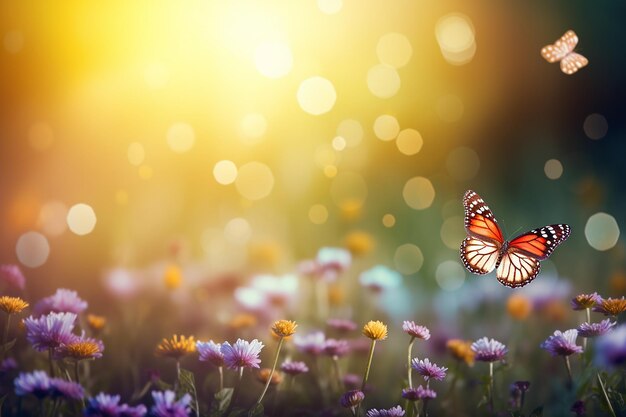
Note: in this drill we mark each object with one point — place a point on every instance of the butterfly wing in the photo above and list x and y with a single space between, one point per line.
516 269
573 62
479 256
540 243
561 48
480 222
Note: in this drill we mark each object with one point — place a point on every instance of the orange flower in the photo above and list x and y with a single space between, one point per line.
242 321
264 374
176 347
519 307
359 243
284 328
173 277
96 323
375 330
12 305
461 350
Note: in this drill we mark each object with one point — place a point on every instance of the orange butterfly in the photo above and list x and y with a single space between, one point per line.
563 50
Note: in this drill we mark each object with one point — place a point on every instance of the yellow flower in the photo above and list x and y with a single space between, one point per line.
555 310
96 323
351 209
461 350
611 306
243 320
359 243
176 347
173 277
519 307
284 328
83 349
375 330
264 374
12 305
336 294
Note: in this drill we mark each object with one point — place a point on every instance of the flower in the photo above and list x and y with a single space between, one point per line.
62 301
410 394
242 321
585 301
351 399
380 278
414 330
359 243
375 330
284 328
562 343
105 405
336 348
353 381
519 306
173 277
311 343
595 329
36 383
425 393
264 374
242 354
166 406
341 325
7 365
266 291
610 349
12 305
50 331
210 352
96 323
486 350
611 306
176 347
396 411
428 370
461 350
12 275
332 261
81 347
294 368
522 385
66 389
578 408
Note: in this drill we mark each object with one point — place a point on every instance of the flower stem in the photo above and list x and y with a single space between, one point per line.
269 378
588 321
235 391
369 365
606 396
408 364
76 373
338 373
491 386
569 371
177 374
221 371
321 294
5 336
50 361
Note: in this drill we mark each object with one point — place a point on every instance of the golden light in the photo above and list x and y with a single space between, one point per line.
418 193
254 180
52 218
330 6
394 49
225 172
386 127
595 126
181 137
383 81
253 127
450 275
463 163
409 142
13 41
408 259
316 95
136 153
455 35
352 131
318 214
348 187
330 171
339 143
325 155
553 169
145 172
237 231
156 75
452 232
389 220
32 249
121 197
602 231
81 219
273 59
40 136
449 108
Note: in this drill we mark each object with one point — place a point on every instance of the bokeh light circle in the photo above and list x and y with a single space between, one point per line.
136 153
81 219
455 35
462 163
450 275
330 6
339 143
452 232
389 220
225 172
40 136
449 108
386 127
383 81
254 181
180 137
418 193
602 231
273 59
237 231
318 214
409 142
408 259
253 127
52 218
348 187
595 126
351 131
394 49
316 95
553 169
32 249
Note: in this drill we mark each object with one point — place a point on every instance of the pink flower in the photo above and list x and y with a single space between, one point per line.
242 354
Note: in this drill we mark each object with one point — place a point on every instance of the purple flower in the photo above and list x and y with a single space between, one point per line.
380 278
63 301
80 348
130 411
352 381
351 398
410 394
396 411
294 368
105 405
66 389
8 365
166 406
585 301
595 329
312 343
414 330
486 350
333 261
342 325
562 343
336 348
210 352
425 393
428 370
611 348
36 383
12 275
242 354
49 331
522 385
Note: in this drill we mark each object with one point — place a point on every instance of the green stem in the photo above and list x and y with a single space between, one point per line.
408 365
235 392
221 371
269 378
491 386
588 321
177 374
367 372
569 371
76 373
338 373
606 396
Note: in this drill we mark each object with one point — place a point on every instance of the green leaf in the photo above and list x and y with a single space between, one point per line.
237 412
8 345
187 385
221 401
256 411
537 412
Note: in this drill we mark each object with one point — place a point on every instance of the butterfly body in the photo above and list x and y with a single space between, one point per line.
516 261
563 51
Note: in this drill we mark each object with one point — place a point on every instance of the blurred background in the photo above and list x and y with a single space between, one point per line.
239 137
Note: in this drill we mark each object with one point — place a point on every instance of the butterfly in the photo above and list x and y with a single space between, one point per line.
563 50
516 261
